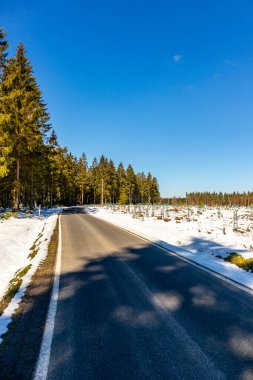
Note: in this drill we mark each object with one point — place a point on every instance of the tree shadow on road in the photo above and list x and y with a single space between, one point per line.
140 313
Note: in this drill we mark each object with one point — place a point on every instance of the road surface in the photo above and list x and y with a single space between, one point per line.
129 310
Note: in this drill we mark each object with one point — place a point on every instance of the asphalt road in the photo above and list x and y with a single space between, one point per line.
129 310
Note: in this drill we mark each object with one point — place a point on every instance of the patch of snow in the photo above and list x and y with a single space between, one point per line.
17 236
206 234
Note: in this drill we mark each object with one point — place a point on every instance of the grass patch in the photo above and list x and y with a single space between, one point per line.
53 245
22 272
34 248
235 258
13 289
8 214
14 286
33 253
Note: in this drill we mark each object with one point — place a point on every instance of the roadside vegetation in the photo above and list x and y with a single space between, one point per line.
241 262
14 287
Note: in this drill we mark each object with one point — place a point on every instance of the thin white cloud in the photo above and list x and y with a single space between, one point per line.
177 57
230 63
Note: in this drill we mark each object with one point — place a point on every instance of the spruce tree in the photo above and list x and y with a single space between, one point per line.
155 194
130 183
121 185
3 50
3 59
111 182
94 178
82 167
53 168
24 118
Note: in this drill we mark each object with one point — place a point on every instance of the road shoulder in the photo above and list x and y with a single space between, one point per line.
21 344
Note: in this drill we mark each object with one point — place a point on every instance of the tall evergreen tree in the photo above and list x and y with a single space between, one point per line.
82 168
121 180
111 182
102 178
53 172
94 179
24 117
130 183
149 187
142 188
155 194
3 50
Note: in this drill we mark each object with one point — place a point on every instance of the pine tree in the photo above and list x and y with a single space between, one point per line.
24 118
82 167
142 188
130 183
102 178
53 168
3 59
149 187
3 50
111 182
122 196
155 194
93 174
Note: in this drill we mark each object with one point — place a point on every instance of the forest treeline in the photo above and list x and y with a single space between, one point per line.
212 199
34 168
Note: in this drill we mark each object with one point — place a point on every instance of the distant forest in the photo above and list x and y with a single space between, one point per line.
35 169
211 199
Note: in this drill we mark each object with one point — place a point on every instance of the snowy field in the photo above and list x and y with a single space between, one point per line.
23 245
203 235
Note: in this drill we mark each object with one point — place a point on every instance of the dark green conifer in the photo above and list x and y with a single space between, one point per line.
24 118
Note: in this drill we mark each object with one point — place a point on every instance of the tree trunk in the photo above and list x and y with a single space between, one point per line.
31 195
16 197
51 196
82 196
102 192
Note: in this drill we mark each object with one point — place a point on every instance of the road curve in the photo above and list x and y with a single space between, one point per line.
129 310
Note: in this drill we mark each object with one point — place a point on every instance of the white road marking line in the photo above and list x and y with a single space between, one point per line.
45 349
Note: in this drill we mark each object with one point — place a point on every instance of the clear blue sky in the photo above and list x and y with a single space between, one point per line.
164 85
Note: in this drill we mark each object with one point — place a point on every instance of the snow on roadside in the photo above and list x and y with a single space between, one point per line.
201 240
17 236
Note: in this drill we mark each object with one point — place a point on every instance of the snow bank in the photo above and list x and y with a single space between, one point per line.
17 237
209 233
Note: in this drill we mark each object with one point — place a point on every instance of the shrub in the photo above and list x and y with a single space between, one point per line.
7 215
235 258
